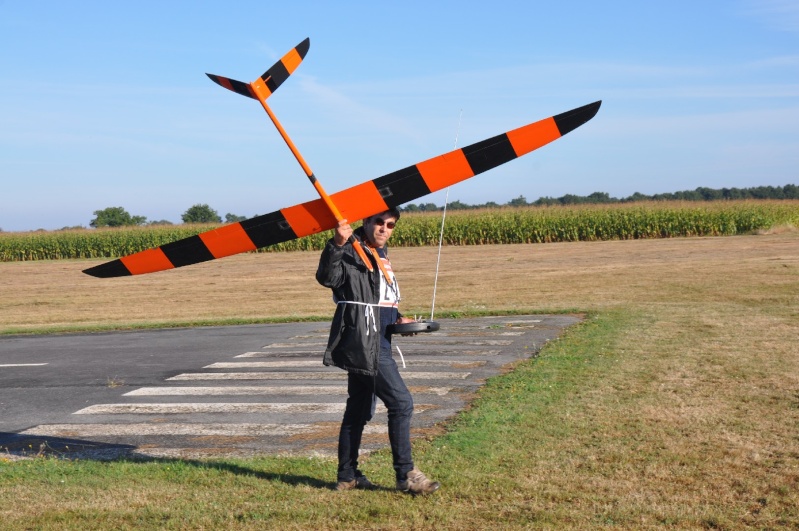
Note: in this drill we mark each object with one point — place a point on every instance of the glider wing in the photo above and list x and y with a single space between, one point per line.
273 78
357 202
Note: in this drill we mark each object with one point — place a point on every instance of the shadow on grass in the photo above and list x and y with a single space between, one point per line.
20 446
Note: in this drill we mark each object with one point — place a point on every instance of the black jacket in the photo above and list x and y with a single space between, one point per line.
354 342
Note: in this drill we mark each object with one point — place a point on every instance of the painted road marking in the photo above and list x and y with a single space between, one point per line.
240 390
298 353
22 364
467 334
265 364
451 340
263 390
458 342
427 362
148 429
295 345
259 407
310 375
411 348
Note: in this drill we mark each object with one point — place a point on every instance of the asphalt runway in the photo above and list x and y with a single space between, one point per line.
232 391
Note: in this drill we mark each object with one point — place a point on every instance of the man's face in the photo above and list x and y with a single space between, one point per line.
379 228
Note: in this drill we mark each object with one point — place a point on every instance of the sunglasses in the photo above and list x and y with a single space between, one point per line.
380 222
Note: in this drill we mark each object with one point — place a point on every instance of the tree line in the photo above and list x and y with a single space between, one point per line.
203 213
119 217
789 191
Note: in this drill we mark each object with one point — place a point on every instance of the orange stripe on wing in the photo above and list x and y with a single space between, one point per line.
530 137
291 60
227 240
225 82
148 261
359 201
444 170
309 218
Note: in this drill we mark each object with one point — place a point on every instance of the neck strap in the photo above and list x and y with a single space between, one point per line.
380 264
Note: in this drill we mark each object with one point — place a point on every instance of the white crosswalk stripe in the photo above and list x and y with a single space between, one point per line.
262 390
298 353
310 375
264 354
250 390
428 362
220 407
145 429
320 345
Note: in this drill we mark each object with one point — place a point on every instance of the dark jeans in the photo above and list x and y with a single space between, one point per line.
389 387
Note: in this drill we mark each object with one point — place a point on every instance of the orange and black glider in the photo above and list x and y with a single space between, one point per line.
355 203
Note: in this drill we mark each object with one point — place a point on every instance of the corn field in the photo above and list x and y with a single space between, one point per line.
463 227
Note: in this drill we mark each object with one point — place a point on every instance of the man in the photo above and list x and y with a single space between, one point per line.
366 303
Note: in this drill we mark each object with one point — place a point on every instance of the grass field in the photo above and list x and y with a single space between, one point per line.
675 404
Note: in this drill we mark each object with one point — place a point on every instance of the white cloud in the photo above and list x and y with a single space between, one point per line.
353 113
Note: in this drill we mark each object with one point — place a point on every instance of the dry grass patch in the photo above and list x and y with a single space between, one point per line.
259 287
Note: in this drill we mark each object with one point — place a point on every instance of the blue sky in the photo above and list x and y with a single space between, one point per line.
107 103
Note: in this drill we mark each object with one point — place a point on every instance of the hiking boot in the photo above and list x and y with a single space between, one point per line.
360 482
417 483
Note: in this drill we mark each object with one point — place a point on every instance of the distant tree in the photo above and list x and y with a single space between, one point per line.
233 218
789 191
160 222
571 199
115 217
519 201
709 194
637 196
201 214
458 205
601 197
546 201
765 192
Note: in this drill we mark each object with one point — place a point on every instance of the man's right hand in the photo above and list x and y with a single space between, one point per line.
343 233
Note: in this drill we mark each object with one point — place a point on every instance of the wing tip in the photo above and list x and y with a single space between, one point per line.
112 269
217 79
302 48
239 87
571 120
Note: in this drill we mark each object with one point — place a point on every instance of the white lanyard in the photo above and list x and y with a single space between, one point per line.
369 313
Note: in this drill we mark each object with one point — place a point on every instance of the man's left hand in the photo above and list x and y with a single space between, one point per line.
405 320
